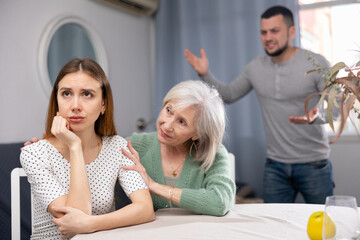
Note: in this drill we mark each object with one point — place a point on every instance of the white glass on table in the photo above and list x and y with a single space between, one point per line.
342 212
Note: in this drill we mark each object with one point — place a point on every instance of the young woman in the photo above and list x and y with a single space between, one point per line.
75 167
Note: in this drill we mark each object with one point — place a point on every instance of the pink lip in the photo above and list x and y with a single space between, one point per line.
270 46
270 43
164 134
76 119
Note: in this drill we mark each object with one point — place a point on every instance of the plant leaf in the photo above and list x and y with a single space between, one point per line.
346 81
335 102
315 70
331 99
344 109
336 68
324 93
306 103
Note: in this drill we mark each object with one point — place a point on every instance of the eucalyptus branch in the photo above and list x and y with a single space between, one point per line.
348 87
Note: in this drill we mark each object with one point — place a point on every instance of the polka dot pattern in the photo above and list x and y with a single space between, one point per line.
49 175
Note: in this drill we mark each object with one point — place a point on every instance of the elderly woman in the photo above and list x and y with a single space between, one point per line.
73 170
183 163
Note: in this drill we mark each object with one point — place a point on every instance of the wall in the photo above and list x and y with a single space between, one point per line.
128 41
346 165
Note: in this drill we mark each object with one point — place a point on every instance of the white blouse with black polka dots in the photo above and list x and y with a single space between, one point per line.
49 175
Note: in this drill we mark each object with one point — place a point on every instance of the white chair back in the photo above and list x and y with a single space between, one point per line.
232 166
16 173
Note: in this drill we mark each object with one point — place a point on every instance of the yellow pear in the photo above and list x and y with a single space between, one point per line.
315 226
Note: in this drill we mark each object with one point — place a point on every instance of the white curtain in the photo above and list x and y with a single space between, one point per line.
229 30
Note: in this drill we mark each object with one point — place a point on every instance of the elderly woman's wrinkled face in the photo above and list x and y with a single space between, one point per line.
176 126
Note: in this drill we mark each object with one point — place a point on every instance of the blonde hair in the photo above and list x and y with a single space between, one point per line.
210 119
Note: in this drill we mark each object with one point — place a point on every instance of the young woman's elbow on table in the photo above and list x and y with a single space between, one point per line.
143 204
145 211
140 211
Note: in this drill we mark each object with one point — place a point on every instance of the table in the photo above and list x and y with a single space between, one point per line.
244 221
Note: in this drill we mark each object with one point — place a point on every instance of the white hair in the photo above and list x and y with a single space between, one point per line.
210 119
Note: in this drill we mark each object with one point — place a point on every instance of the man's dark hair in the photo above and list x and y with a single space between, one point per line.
279 10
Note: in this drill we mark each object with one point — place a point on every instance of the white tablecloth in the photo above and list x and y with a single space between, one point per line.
244 221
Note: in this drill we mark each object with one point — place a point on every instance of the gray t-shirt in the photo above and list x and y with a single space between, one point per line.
281 89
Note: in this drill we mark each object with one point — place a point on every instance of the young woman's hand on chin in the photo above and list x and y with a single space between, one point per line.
61 130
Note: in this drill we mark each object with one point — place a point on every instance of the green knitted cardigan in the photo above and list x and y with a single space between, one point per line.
211 192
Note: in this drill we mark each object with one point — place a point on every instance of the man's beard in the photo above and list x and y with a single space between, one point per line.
278 52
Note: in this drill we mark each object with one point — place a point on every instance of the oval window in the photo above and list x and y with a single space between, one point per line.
69 41
64 39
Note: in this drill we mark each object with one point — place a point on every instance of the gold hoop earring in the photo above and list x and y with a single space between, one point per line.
191 147
103 112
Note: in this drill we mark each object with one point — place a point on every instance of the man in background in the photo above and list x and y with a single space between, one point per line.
297 149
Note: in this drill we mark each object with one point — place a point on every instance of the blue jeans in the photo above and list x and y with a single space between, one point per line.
282 182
